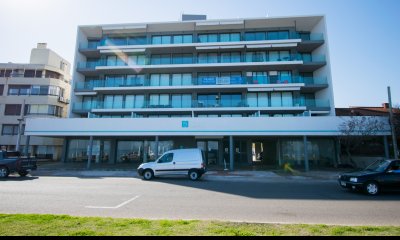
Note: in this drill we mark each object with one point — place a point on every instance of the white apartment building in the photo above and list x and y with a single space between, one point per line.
40 88
246 91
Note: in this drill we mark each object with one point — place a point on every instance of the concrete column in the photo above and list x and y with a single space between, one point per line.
145 150
113 152
64 151
249 152
306 161
90 153
338 152
386 144
278 149
26 150
157 142
231 153
221 152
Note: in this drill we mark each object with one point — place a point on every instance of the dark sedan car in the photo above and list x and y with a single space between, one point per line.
382 175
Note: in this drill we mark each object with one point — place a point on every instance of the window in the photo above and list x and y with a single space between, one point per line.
161 59
278 35
159 100
231 100
1 89
306 57
137 41
167 158
116 41
207 78
135 80
256 57
182 59
179 39
284 99
161 40
208 58
275 56
10 130
134 101
207 100
204 38
51 74
182 101
29 74
255 36
159 80
114 80
136 60
182 79
230 57
258 78
257 99
16 90
13 110
230 37
40 109
113 101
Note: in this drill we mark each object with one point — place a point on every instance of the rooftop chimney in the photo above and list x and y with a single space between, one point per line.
385 105
42 45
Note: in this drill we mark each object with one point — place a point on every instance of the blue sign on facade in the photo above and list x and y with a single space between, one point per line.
185 124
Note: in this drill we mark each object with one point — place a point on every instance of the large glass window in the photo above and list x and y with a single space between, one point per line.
208 58
129 151
256 57
135 80
136 60
159 80
258 78
137 41
204 38
278 35
179 39
257 99
207 100
114 81
1 89
182 59
22 90
230 57
161 59
230 37
275 56
231 100
159 100
255 36
182 79
207 78
181 101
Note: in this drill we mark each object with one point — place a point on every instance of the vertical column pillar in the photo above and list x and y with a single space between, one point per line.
386 144
26 150
145 150
306 162
221 152
231 153
338 152
278 149
157 143
64 151
113 152
90 153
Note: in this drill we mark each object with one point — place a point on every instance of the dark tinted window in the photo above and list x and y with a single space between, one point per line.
12 110
1 89
167 158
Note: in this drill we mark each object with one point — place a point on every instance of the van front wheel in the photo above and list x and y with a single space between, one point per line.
148 175
194 175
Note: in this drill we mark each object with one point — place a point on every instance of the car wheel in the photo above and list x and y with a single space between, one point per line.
194 175
4 172
148 175
372 188
23 173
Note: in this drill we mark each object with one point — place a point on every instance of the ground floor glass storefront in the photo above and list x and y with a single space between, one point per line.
247 151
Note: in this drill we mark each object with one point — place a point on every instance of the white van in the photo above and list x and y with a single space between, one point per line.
188 162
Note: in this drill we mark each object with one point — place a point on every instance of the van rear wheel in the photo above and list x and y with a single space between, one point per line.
194 175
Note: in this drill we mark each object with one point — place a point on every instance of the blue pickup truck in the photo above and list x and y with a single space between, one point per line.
12 162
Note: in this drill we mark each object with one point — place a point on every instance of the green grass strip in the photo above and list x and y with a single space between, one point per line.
62 225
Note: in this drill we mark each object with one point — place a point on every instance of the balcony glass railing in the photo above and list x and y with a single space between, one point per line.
200 81
200 60
198 104
144 41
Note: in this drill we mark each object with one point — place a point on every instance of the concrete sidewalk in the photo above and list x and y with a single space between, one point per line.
130 170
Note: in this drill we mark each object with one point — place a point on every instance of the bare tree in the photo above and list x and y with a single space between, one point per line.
355 129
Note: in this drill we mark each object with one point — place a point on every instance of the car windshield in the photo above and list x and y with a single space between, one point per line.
378 166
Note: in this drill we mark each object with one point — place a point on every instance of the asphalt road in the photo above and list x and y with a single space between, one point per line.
269 201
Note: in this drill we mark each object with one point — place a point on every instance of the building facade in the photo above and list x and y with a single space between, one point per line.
246 91
40 88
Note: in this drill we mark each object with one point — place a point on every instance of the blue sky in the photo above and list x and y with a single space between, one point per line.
363 34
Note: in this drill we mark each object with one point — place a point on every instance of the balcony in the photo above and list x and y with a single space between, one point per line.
243 63
290 105
141 84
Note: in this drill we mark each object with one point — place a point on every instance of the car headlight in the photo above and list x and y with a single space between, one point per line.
354 179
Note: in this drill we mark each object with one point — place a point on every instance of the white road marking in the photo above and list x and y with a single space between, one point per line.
119 206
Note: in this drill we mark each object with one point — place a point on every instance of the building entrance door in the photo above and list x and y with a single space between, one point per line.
211 150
